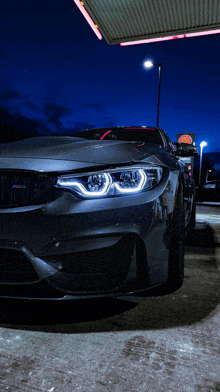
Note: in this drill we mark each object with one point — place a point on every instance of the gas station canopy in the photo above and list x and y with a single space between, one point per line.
129 22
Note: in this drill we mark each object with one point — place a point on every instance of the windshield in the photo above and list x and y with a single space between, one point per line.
149 135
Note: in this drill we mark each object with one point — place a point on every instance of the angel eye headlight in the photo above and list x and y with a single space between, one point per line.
95 185
114 182
131 181
97 182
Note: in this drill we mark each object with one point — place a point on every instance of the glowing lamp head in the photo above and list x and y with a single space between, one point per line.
203 144
148 64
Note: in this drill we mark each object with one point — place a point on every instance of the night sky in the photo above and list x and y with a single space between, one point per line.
56 77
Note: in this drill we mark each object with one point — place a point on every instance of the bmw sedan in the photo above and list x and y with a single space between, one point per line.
101 213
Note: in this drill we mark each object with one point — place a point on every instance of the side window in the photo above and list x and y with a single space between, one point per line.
168 142
172 146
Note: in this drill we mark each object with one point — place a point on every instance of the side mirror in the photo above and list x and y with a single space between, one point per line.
186 150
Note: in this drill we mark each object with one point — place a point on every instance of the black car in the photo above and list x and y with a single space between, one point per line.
102 213
208 192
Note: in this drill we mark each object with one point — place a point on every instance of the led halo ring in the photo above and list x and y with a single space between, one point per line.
146 177
72 184
132 190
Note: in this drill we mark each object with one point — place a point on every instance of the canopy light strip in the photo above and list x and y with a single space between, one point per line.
145 41
81 7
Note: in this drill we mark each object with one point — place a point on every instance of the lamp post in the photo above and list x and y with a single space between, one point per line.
207 174
202 144
149 64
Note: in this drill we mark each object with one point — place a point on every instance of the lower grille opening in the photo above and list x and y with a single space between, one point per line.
39 290
102 269
15 267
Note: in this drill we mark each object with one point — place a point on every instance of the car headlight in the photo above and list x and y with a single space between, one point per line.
113 182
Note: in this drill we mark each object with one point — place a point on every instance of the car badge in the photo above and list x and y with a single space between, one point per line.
18 186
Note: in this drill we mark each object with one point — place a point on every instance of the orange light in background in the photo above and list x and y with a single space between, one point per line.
185 139
81 7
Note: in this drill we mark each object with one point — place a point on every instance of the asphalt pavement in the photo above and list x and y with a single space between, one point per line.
130 344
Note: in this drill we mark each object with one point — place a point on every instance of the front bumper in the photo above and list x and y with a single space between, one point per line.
71 248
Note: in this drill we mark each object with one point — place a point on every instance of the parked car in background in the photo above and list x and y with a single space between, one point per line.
102 213
208 192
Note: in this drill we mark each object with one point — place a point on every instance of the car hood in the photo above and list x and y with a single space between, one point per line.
69 153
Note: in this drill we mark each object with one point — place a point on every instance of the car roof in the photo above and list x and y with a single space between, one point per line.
142 133
124 127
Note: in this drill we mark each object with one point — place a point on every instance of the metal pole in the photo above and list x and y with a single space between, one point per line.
158 104
207 175
200 166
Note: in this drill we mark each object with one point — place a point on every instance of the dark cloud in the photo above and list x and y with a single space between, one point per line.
93 106
49 120
78 126
32 106
7 94
19 125
22 125
54 113
110 123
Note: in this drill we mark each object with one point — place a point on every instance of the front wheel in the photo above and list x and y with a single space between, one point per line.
192 222
176 247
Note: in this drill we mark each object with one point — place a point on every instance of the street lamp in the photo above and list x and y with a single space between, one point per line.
207 175
202 144
149 64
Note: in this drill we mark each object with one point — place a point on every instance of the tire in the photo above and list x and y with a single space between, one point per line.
192 222
176 247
